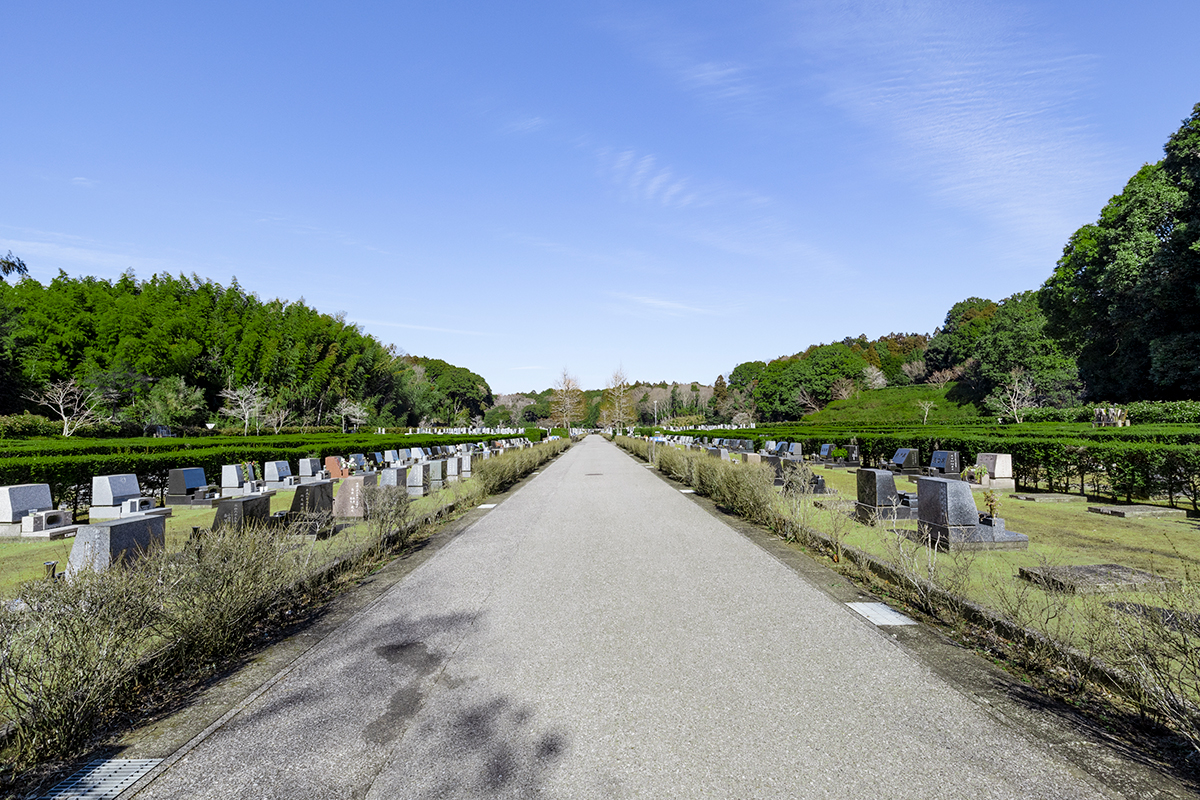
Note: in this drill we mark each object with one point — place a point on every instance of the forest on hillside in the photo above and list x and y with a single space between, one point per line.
1118 321
164 350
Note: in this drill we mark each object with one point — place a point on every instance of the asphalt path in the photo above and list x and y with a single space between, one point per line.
598 634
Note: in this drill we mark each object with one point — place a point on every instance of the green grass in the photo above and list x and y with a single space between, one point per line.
897 405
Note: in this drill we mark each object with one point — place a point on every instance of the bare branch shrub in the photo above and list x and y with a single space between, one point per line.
914 370
75 405
874 378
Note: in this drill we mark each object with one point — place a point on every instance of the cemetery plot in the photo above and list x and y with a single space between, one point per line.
1137 511
1092 578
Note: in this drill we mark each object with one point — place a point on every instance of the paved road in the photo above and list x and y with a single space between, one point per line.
600 635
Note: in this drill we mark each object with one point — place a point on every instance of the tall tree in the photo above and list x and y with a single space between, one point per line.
566 404
966 321
1125 296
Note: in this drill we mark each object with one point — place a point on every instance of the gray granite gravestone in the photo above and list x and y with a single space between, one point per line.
878 499
437 474
453 464
949 520
311 499
393 476
351 502
115 496
1000 470
417 479
465 465
188 487
99 545
278 475
236 512
16 502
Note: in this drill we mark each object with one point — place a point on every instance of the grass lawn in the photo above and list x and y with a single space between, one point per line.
23 560
1059 534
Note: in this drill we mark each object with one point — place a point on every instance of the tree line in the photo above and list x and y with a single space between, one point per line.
178 350
1117 321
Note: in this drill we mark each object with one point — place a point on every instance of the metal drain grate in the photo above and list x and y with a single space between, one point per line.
105 778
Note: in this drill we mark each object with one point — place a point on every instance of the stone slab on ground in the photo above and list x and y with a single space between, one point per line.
1091 578
1049 497
1132 512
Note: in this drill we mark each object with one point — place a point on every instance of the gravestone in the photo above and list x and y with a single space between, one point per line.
878 499
233 481
379 462
18 501
391 456
906 461
1000 471
464 468
437 474
795 451
99 545
417 479
311 472
278 475
452 467
827 451
949 520
852 458
312 507
359 461
351 501
115 496
393 476
236 512
945 464
189 487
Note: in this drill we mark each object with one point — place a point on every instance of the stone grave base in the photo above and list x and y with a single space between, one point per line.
1049 498
1169 617
1092 578
966 537
192 500
866 513
1129 512
12 530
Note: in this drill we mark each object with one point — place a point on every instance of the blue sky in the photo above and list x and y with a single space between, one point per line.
516 188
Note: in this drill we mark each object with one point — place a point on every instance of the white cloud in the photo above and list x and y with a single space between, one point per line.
659 307
979 104
525 125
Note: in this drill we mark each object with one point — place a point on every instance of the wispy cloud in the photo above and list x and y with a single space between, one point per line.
977 100
640 177
525 125
657 306
46 251
408 326
83 183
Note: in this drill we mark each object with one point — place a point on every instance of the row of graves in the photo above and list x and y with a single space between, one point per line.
943 505
123 523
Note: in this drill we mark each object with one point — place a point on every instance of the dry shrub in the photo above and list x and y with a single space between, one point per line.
497 473
75 646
